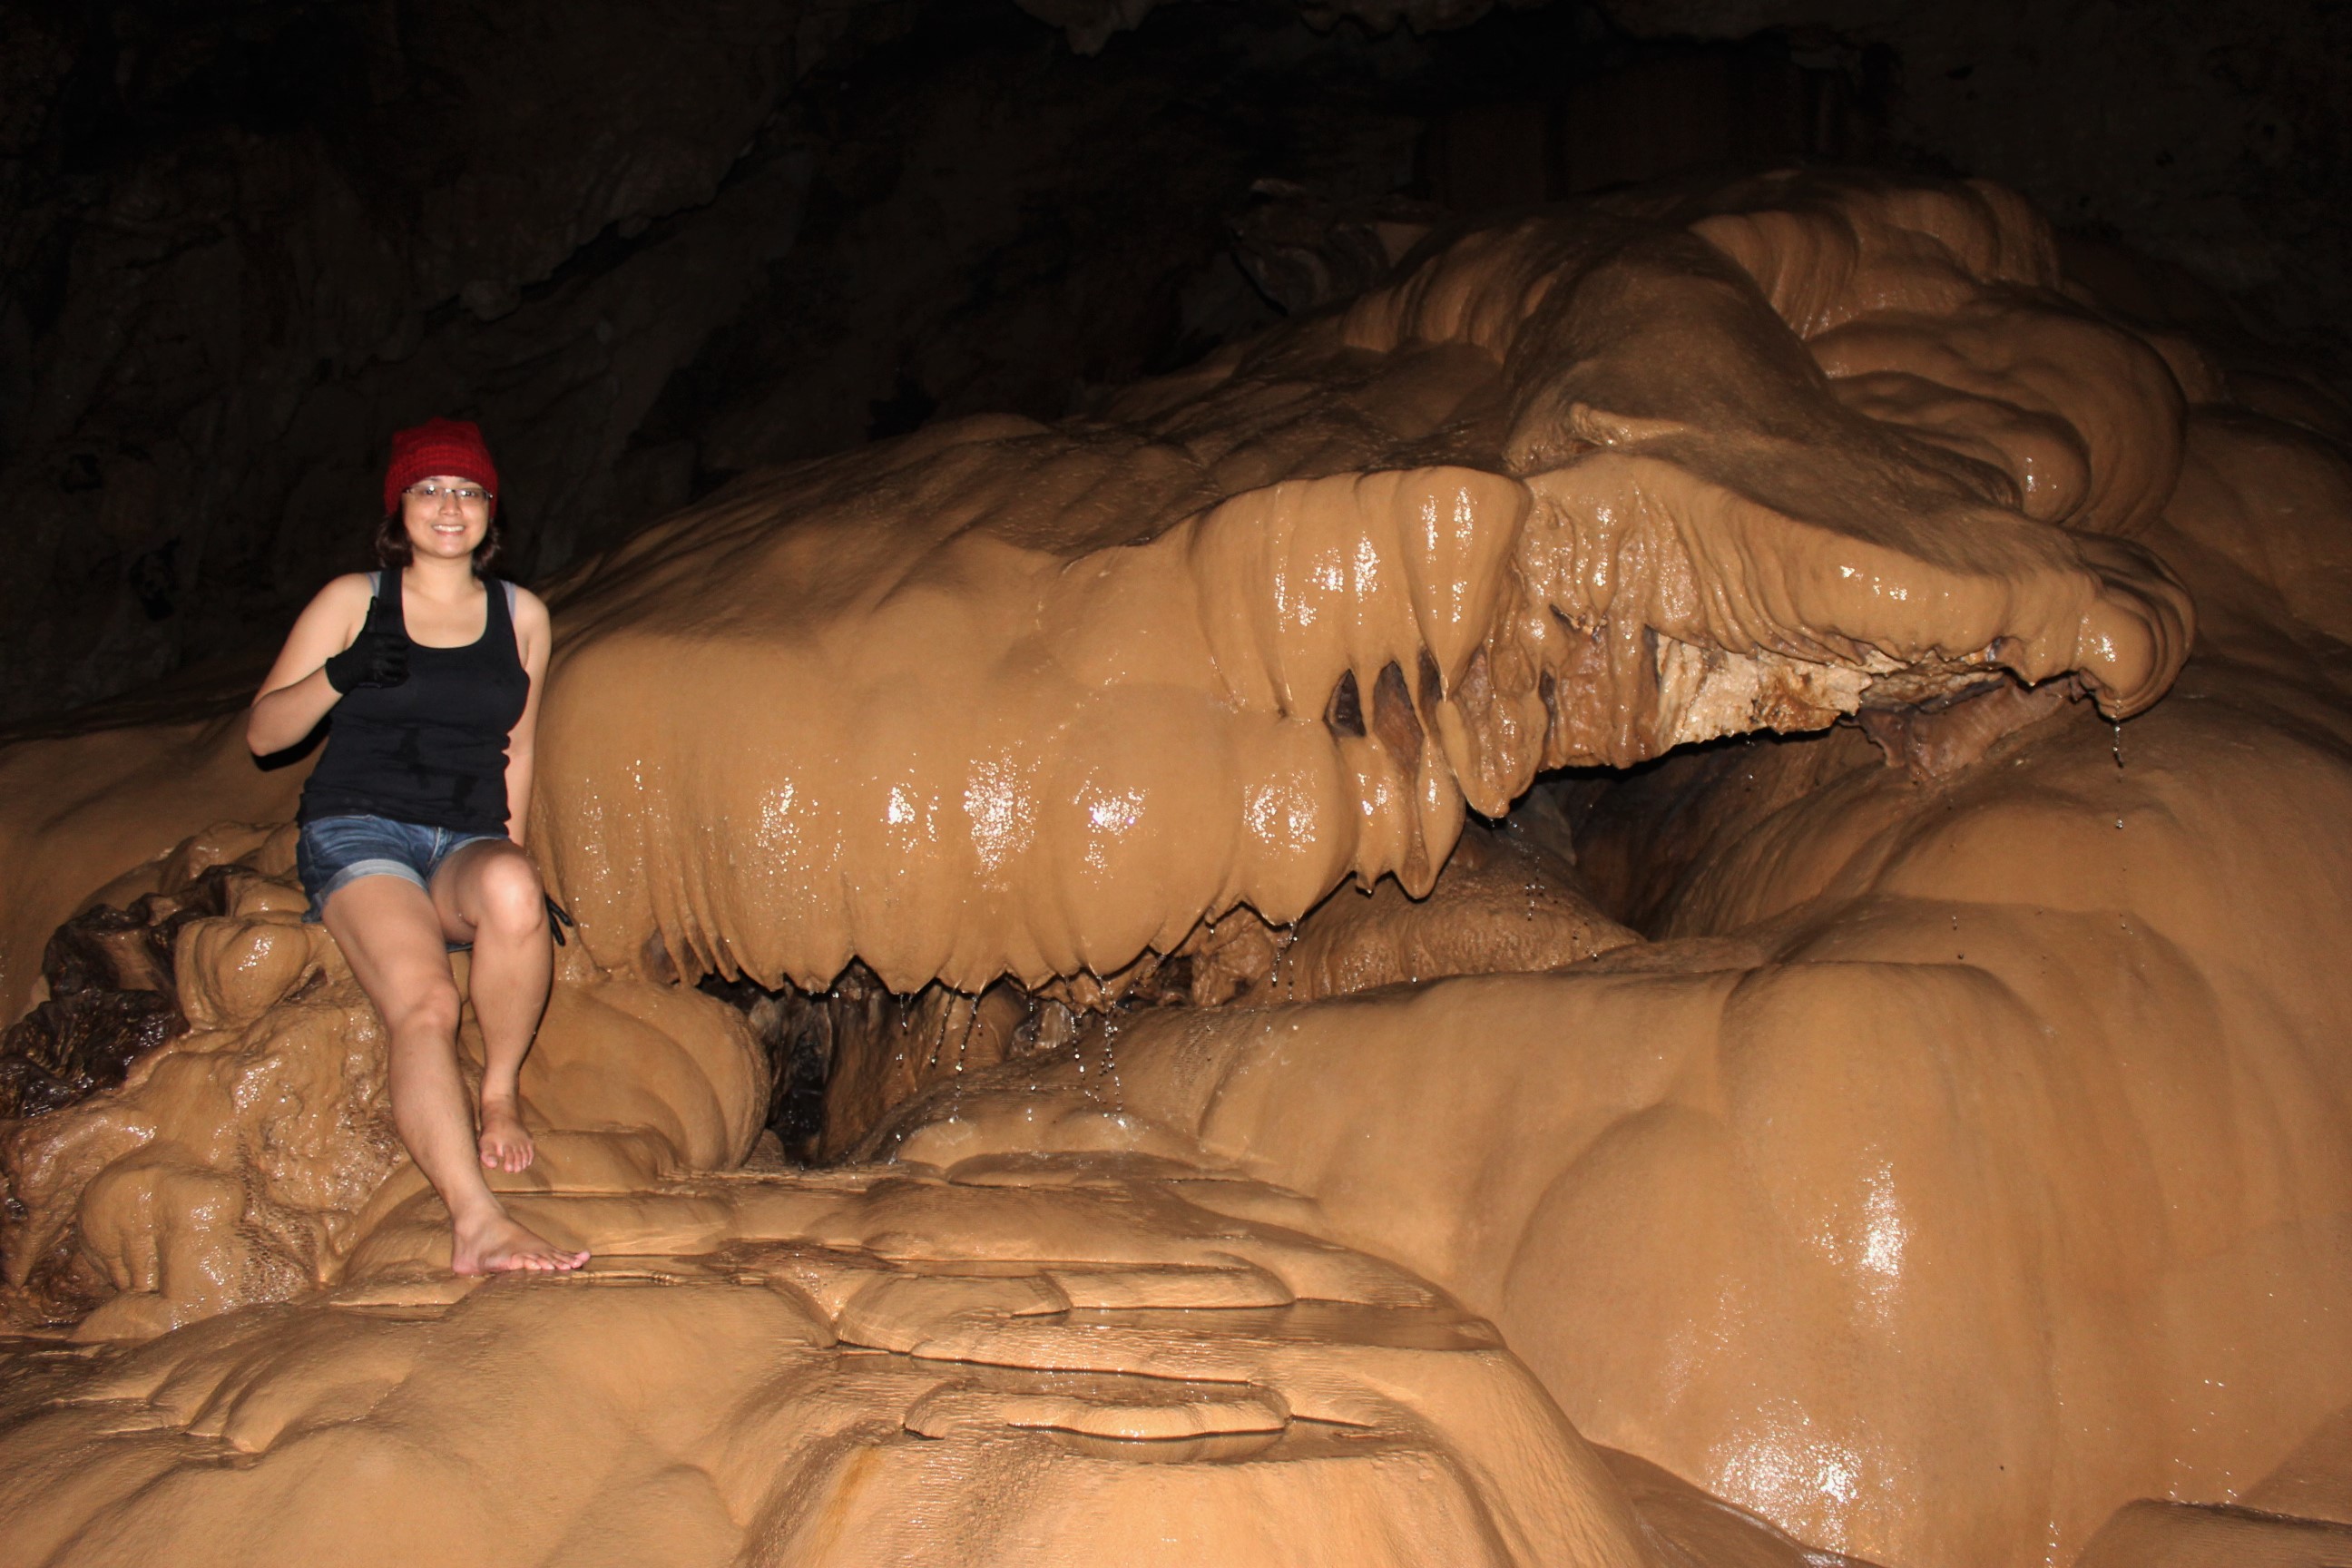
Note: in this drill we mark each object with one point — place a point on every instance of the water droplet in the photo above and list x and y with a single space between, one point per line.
2119 742
1110 1061
2119 822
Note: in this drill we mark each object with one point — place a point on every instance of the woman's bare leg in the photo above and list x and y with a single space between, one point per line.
391 934
489 894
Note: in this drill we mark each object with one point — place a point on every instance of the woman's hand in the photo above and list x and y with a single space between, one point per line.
375 659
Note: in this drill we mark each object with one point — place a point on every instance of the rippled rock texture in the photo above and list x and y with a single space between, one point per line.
1922 1139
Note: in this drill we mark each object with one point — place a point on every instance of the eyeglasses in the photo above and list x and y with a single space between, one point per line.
464 495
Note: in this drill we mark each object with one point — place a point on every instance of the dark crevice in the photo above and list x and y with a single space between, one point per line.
1345 715
796 1035
1432 686
1394 721
109 974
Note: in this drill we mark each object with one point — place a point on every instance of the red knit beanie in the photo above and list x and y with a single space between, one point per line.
451 446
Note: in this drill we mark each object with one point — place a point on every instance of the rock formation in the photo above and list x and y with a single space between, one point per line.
1763 1137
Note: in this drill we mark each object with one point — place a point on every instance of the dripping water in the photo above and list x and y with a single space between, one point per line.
1110 1061
971 1022
2118 726
939 1040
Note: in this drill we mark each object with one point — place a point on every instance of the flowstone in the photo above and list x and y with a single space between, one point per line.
1924 1138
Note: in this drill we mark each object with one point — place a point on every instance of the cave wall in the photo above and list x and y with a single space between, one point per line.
651 248
644 247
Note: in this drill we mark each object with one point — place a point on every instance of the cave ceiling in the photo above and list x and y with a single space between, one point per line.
652 250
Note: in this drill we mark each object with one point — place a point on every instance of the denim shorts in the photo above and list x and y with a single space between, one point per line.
336 851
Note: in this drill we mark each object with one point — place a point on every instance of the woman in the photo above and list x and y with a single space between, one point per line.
413 821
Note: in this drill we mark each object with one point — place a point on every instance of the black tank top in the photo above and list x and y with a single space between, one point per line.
432 749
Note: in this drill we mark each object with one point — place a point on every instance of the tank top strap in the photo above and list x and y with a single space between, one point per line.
503 603
497 609
383 612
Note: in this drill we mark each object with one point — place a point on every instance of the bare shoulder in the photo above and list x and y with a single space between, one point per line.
533 634
344 599
530 610
351 585
326 625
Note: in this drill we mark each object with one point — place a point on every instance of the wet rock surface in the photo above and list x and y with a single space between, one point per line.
112 997
841 1060
1957 1106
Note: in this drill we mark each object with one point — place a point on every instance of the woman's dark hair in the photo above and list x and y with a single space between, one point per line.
393 550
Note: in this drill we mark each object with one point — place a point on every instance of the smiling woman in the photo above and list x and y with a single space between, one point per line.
412 824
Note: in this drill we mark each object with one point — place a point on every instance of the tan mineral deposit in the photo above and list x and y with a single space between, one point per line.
1670 893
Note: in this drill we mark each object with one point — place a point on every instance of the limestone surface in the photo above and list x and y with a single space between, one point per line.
1924 1139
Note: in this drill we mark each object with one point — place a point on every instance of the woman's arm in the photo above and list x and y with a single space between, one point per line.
295 695
534 635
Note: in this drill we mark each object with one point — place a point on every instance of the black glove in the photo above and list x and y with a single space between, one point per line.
376 658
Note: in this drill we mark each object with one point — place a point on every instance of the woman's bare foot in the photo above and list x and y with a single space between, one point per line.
504 1143
492 1242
